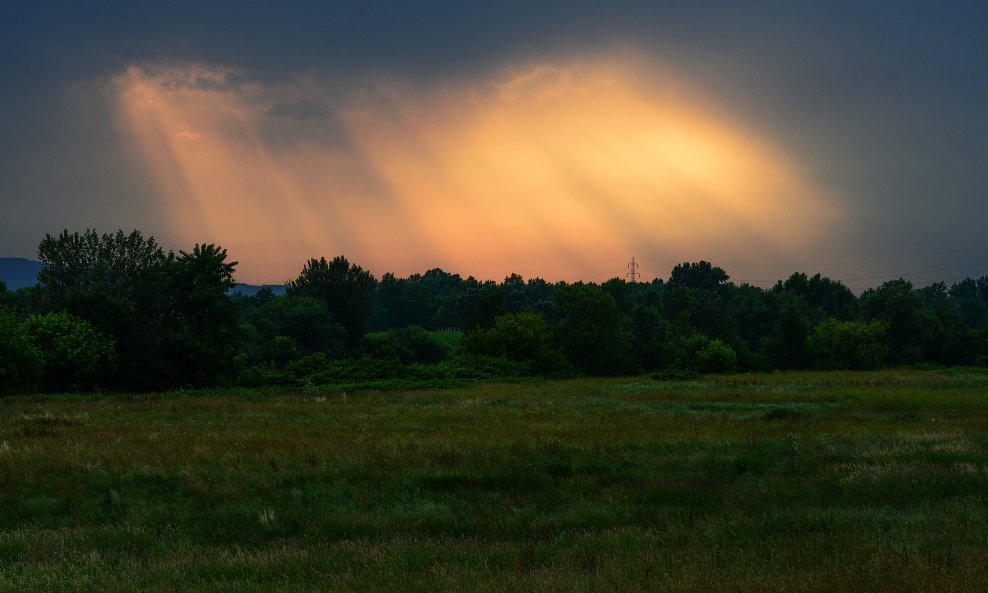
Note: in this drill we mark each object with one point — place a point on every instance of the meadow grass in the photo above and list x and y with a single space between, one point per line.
788 481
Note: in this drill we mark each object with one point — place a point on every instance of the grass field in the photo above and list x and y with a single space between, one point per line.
780 482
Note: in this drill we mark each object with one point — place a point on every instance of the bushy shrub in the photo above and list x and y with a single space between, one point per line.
306 320
520 337
366 372
265 374
697 352
593 332
716 357
282 350
75 356
20 361
409 345
849 344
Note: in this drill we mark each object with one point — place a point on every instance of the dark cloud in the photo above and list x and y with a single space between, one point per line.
887 100
301 109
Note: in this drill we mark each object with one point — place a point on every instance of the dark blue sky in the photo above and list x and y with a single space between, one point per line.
885 102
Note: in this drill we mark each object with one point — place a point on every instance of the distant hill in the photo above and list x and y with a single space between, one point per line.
17 272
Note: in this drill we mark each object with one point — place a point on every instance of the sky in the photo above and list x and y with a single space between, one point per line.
553 139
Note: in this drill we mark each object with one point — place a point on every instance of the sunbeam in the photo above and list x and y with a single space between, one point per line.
547 171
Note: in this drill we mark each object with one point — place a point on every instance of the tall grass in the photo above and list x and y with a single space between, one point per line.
789 481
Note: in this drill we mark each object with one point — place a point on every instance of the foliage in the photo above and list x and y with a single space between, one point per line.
487 305
409 344
170 317
20 360
80 267
822 297
791 336
306 320
346 289
971 301
900 308
649 340
119 284
203 319
716 357
400 302
697 309
173 324
849 344
520 337
697 352
366 372
592 330
700 275
74 355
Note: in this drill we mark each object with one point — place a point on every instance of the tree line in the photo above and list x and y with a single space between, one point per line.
117 312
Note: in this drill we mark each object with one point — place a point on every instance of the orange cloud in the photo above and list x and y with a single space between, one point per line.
563 172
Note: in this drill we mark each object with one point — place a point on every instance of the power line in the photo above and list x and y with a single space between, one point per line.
891 276
936 271
848 262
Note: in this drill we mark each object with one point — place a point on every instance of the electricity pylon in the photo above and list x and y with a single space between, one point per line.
633 270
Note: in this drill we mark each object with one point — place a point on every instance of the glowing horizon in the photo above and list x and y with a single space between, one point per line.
546 171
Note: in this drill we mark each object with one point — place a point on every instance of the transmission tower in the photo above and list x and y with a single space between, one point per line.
633 270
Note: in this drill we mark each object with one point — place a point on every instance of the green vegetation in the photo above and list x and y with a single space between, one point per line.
118 313
796 481
449 340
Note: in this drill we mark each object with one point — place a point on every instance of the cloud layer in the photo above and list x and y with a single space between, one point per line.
870 119
554 170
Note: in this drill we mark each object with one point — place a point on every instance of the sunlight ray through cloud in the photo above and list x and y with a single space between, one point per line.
545 171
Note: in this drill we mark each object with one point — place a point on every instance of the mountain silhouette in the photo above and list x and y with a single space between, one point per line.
17 272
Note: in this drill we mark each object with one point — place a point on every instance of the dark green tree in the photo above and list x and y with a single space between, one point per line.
969 298
593 331
306 320
520 337
400 302
170 317
411 344
81 267
618 289
648 337
900 308
541 298
823 298
449 297
701 275
515 294
691 309
791 336
854 345
754 315
695 300
203 319
119 283
346 289
487 305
